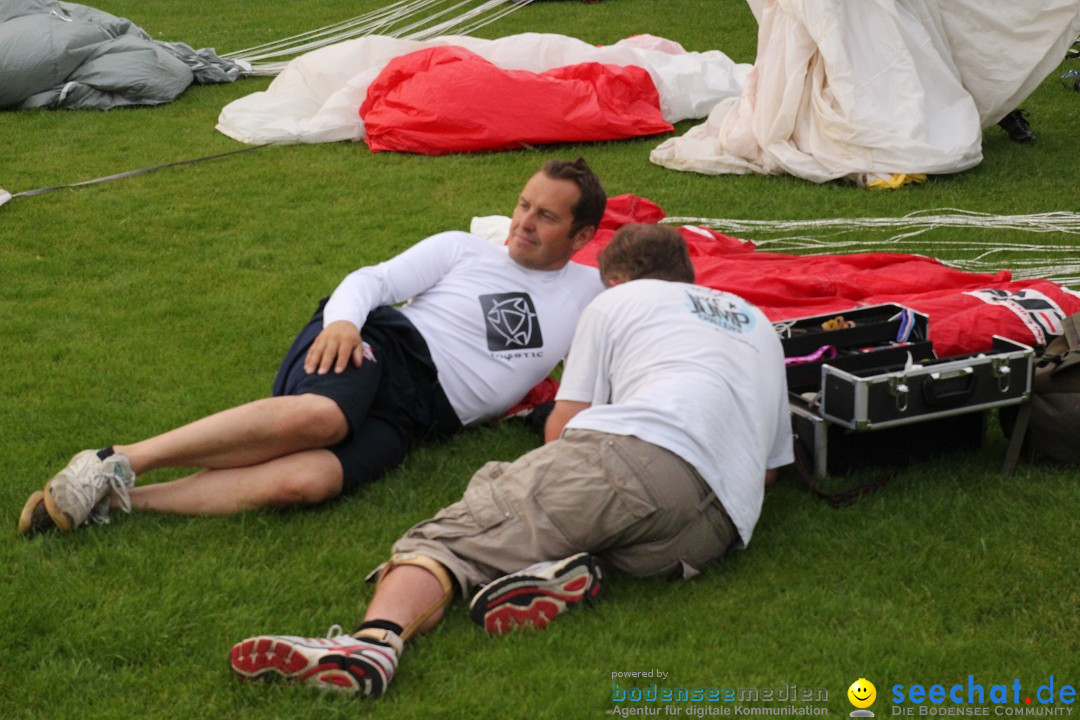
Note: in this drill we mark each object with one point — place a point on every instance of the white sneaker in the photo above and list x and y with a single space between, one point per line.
80 491
338 662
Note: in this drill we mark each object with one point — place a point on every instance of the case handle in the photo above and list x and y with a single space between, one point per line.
949 389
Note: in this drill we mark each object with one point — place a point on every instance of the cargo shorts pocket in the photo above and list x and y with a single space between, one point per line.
595 494
485 503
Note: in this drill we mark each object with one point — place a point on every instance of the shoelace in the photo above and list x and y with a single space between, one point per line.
116 483
85 492
335 631
99 513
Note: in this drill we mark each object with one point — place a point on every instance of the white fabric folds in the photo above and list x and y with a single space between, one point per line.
318 96
848 87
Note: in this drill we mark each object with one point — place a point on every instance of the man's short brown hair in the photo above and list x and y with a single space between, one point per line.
646 251
590 205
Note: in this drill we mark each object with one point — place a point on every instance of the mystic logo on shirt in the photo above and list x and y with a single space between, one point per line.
511 321
725 311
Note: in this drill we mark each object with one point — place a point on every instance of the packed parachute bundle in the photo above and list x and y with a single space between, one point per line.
63 55
60 55
326 95
415 104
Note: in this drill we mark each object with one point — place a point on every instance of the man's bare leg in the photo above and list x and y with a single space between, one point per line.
365 662
404 594
245 435
244 440
307 477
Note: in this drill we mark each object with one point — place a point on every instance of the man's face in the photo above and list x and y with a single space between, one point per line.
540 236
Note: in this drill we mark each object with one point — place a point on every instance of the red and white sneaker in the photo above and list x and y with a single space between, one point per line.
344 663
534 596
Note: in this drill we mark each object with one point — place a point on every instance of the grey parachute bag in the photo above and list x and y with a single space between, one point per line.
1053 429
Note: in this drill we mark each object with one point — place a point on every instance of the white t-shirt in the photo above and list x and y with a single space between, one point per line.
494 328
696 371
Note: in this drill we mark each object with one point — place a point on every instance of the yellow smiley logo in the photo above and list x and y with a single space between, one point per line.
862 693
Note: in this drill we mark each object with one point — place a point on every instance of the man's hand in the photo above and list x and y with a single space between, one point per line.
335 345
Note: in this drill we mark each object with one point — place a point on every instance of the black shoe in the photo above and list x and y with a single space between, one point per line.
1071 80
1017 126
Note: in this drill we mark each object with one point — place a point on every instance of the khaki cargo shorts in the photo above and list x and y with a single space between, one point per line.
639 507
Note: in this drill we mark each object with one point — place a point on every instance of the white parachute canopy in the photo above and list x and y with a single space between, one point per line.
317 97
848 87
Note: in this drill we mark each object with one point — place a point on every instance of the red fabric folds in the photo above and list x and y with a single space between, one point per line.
624 209
965 309
447 99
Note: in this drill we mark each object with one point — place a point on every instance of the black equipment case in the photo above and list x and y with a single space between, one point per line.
882 398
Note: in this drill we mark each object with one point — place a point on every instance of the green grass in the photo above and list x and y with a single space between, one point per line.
130 307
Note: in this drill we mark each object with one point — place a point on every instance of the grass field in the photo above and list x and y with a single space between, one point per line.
130 307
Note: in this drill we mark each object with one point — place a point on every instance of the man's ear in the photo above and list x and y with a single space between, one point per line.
582 237
617 277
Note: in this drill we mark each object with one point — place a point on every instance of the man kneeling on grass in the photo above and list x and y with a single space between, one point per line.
671 417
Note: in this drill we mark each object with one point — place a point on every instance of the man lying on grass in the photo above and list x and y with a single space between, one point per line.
671 417
364 381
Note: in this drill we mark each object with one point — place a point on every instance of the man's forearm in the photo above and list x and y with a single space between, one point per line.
563 412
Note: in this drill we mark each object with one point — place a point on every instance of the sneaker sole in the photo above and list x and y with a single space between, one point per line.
266 658
59 518
35 516
532 602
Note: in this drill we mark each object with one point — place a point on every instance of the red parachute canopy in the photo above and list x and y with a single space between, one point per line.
448 99
965 309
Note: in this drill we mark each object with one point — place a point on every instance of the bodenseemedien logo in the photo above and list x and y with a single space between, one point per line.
862 694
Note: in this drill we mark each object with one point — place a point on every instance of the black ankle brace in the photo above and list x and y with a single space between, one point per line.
381 625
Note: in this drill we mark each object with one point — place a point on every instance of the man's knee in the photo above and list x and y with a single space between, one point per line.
315 418
304 487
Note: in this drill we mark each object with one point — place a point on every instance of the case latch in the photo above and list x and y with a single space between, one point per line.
898 388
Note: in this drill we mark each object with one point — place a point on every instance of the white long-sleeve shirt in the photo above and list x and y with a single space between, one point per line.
494 328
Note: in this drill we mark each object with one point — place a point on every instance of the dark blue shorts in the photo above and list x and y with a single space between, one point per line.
391 402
